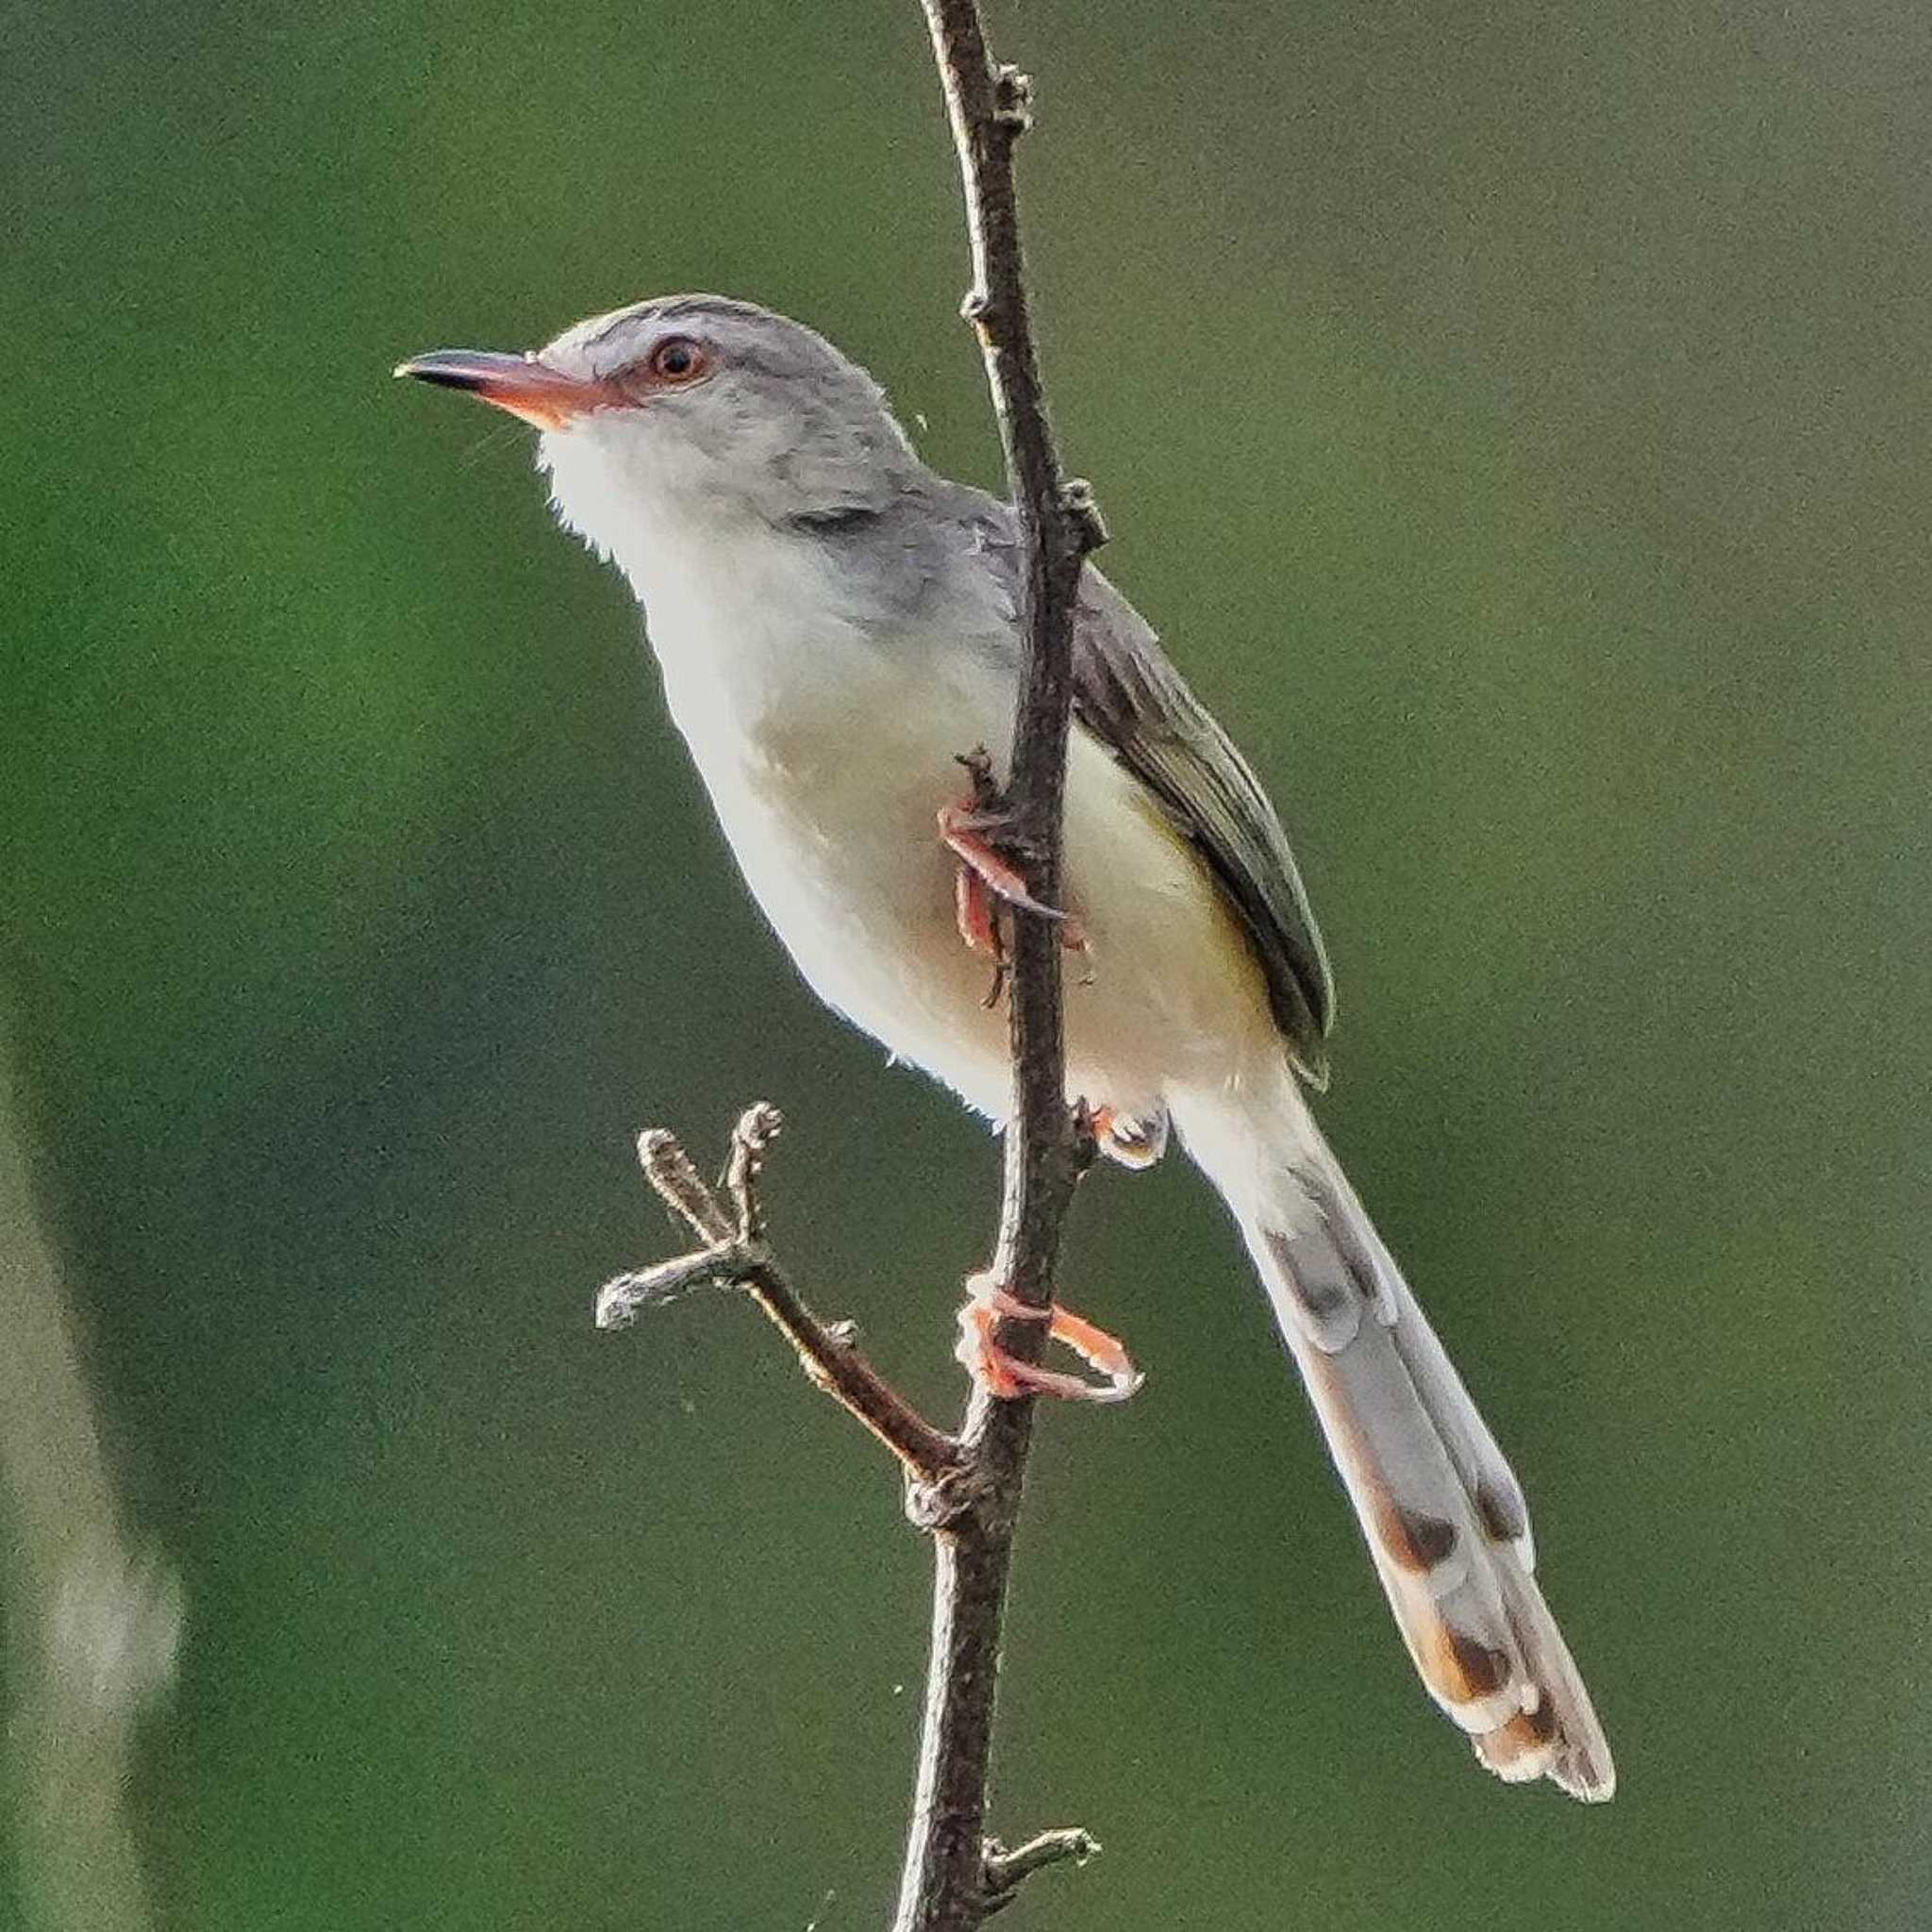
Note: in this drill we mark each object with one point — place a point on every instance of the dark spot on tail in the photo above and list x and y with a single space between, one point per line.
1534 1729
1485 1670
1416 1541
1503 1514
1316 1275
1521 1748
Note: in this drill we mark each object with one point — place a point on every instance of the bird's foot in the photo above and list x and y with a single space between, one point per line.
984 879
1134 1140
963 829
1004 1375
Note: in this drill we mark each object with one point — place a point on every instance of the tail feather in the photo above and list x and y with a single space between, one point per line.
1442 1511
1558 1738
1484 1469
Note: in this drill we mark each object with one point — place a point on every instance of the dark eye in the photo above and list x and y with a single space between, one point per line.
677 358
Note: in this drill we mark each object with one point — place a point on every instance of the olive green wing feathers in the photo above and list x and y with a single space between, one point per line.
1131 698
1128 695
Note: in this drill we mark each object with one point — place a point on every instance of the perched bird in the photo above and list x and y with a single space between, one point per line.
836 626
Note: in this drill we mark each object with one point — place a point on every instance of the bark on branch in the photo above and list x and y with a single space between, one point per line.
947 1885
965 1488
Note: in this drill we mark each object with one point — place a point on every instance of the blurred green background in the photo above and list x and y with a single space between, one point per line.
1517 418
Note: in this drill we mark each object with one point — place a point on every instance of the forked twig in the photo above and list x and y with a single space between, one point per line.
737 1253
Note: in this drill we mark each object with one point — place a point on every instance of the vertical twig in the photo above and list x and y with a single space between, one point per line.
965 1488
946 1886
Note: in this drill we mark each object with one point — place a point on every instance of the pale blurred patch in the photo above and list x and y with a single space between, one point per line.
96 1628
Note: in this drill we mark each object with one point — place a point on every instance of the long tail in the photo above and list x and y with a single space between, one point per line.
1443 1513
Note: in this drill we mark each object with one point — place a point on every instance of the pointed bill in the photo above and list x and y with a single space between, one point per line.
520 384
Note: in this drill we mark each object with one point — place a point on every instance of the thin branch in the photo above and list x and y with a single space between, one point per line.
967 1489
947 1885
736 1254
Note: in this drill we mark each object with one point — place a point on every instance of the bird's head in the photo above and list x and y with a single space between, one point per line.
691 406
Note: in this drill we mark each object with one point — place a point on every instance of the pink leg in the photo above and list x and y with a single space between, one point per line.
1001 1375
959 830
973 905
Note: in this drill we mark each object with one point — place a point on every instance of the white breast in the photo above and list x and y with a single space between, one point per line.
828 744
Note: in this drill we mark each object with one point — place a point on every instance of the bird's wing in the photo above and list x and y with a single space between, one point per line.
1128 695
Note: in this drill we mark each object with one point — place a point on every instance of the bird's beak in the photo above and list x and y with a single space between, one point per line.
520 384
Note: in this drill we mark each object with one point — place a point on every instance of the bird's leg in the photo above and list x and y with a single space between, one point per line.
977 913
979 925
974 907
962 829
985 876
1002 1375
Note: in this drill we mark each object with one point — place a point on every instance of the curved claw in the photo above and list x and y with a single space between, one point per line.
1004 1376
959 831
1135 1141
985 876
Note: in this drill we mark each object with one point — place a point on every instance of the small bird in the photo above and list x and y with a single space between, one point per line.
838 626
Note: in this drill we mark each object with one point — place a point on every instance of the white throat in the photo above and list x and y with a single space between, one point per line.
750 623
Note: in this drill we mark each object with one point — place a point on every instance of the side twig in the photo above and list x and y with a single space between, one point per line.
1005 1870
737 1253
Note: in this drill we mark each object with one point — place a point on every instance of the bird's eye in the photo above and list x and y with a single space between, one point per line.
677 358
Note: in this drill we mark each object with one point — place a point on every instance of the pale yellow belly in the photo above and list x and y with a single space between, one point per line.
845 858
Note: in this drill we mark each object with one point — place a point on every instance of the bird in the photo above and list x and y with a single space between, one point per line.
837 624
